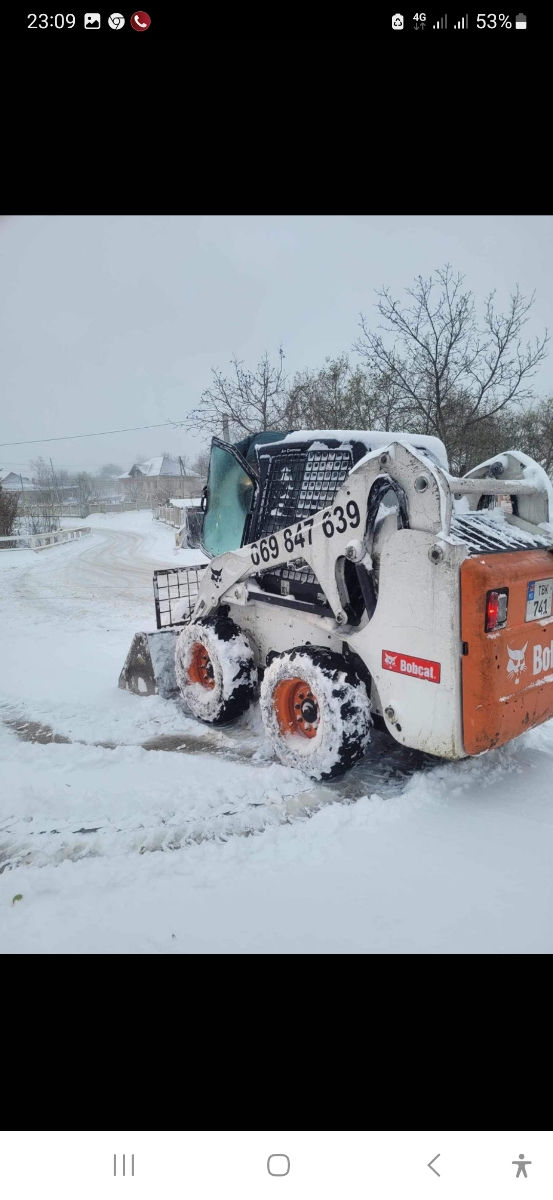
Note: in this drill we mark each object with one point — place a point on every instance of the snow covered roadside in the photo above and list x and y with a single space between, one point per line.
157 540
67 618
121 848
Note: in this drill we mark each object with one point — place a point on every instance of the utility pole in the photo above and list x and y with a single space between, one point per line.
56 502
182 474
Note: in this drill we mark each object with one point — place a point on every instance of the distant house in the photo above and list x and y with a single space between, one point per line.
159 479
13 482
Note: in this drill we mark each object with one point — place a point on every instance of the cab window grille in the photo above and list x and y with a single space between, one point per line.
298 484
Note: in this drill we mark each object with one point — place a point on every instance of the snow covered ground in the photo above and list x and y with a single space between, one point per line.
125 826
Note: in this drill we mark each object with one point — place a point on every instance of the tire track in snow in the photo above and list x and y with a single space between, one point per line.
40 842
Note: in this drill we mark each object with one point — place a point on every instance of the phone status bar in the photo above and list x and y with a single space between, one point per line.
419 22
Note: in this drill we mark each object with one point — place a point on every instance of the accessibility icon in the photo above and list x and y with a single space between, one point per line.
521 1163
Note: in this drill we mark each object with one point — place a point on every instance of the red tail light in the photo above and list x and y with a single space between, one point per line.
492 610
496 608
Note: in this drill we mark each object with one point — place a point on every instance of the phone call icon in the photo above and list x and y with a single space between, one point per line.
140 21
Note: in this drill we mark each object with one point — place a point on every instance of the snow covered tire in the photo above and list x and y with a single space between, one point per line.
316 711
215 669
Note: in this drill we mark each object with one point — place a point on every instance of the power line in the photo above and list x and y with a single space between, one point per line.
103 433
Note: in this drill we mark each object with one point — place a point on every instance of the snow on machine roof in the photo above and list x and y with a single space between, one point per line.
371 439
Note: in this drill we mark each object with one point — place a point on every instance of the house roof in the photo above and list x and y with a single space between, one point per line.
162 465
12 480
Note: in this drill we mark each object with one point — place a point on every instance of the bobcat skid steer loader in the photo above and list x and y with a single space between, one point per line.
353 580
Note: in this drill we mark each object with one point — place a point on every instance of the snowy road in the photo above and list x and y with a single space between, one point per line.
110 566
126 826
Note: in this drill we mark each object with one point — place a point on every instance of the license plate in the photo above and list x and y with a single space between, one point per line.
539 597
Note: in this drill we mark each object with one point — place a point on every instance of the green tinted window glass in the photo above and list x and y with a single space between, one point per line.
229 497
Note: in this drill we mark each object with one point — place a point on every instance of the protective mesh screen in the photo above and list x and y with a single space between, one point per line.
175 594
298 484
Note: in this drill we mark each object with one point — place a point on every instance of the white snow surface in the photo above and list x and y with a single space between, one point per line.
194 502
497 521
216 847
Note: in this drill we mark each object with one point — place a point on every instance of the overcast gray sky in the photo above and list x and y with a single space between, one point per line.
115 321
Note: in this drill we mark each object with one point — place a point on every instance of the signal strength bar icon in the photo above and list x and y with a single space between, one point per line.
462 23
441 24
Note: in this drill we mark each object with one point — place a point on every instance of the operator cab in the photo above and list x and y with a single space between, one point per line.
268 481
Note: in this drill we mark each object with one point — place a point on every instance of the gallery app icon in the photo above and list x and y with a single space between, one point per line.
116 21
92 20
140 21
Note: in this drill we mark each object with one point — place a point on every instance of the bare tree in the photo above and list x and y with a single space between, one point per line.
201 463
535 433
243 402
84 483
8 511
40 508
449 372
46 502
110 471
339 396
42 473
322 399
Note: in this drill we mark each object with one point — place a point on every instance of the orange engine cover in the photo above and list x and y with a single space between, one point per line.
507 675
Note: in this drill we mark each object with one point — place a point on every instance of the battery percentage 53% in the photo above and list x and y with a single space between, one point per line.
493 21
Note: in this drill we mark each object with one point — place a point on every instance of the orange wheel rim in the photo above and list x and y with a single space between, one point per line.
296 707
200 669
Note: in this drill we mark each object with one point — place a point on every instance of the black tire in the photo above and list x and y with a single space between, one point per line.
324 729
215 669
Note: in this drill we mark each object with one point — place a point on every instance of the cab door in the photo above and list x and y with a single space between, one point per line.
231 488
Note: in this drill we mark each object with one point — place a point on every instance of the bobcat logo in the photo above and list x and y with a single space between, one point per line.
516 662
389 659
216 576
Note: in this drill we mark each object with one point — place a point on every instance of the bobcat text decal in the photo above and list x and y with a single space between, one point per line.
542 660
407 664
